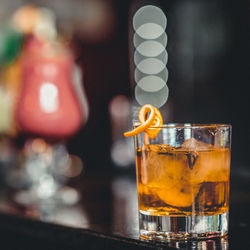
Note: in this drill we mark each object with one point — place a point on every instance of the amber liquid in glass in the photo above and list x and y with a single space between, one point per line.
182 182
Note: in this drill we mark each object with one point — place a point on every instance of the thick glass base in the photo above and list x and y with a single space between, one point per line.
182 227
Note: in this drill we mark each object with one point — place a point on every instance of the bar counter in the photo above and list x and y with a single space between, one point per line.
105 217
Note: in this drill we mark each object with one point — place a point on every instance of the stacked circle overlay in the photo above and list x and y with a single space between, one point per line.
150 56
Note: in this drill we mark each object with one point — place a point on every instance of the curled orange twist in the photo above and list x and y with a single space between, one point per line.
150 119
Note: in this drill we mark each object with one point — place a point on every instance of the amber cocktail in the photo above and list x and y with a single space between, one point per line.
183 181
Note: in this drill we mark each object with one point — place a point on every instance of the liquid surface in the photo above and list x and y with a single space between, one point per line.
182 182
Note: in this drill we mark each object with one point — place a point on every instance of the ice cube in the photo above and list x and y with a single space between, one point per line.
153 164
194 144
165 172
182 194
212 166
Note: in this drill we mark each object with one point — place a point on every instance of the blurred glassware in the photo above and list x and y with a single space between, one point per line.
49 111
43 174
15 32
47 104
121 153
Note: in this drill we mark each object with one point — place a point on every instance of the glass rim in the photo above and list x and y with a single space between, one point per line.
189 125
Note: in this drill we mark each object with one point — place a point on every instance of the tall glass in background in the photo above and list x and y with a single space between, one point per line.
183 181
45 103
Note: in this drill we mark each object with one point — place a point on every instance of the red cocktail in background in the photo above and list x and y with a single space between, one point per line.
51 107
48 105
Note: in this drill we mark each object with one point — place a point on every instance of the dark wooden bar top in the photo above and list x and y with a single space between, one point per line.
105 217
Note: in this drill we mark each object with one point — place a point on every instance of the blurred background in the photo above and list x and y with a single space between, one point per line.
207 44
73 74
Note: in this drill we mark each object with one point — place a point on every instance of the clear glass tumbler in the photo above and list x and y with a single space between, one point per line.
183 181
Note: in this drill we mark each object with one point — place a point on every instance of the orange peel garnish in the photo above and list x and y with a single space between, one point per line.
150 119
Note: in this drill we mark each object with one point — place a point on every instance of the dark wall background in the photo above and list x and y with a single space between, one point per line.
208 49
216 91
105 67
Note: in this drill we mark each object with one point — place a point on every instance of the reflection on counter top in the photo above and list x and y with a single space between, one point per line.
107 209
